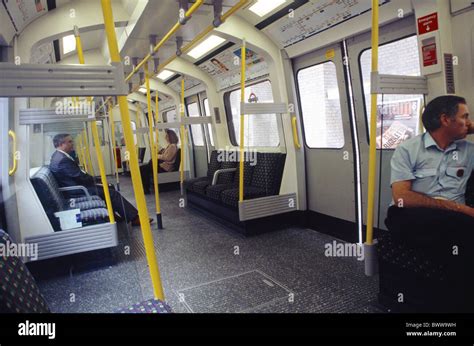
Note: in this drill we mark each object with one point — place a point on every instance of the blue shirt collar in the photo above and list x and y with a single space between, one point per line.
429 142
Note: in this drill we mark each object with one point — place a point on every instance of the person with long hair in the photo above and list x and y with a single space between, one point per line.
166 160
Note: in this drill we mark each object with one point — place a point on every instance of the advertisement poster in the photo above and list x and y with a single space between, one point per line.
397 121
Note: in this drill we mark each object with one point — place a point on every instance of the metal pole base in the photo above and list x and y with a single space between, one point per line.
159 221
371 263
118 187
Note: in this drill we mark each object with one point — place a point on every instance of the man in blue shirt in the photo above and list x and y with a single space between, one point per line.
430 174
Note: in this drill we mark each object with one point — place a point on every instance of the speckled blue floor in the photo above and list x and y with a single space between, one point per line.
206 267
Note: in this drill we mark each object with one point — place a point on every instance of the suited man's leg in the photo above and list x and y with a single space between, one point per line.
120 204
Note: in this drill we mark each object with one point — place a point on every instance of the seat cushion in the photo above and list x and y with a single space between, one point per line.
200 186
231 197
214 191
18 290
92 216
85 199
189 184
151 306
86 205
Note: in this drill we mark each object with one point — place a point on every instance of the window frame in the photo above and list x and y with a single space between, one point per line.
230 122
301 108
361 81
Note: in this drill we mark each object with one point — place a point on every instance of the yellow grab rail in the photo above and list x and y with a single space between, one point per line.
154 157
134 168
183 138
112 130
88 152
295 132
173 30
95 136
12 171
243 53
373 126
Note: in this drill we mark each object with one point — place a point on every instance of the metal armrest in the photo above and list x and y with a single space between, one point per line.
220 171
75 188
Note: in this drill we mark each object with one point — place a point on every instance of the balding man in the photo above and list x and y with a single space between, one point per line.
67 172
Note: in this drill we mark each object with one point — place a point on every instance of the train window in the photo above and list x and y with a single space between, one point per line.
398 116
207 113
196 130
172 117
134 128
320 106
259 130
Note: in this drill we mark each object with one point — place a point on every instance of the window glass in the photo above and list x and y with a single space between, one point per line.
321 106
134 128
259 130
208 114
398 116
196 130
172 117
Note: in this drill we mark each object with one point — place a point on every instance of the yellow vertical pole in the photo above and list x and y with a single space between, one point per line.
373 126
154 158
243 53
135 170
182 133
81 149
112 130
87 152
95 135
157 120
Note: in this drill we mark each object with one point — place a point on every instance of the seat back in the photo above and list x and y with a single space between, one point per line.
47 189
177 161
470 191
19 292
214 164
268 172
141 154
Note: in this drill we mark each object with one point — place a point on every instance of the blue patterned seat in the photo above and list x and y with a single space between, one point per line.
18 290
92 211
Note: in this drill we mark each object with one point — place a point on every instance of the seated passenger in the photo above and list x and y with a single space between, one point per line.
166 160
429 178
67 172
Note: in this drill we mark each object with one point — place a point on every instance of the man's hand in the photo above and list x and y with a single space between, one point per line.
468 211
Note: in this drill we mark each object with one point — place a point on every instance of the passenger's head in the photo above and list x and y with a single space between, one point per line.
171 137
64 142
448 114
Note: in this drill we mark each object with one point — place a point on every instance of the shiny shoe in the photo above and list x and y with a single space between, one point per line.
136 222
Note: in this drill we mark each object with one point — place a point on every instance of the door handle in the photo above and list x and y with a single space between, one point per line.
295 132
15 166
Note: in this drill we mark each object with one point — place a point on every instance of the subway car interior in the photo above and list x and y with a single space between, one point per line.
233 156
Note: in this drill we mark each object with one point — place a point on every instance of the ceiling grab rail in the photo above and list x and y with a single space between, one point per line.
134 168
186 48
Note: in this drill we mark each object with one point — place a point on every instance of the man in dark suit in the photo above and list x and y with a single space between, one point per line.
67 172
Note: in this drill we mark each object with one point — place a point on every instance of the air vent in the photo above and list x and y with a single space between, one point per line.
449 73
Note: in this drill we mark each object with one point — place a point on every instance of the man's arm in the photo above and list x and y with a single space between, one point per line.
406 198
71 169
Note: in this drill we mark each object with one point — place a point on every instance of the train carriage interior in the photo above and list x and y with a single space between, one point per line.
223 156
